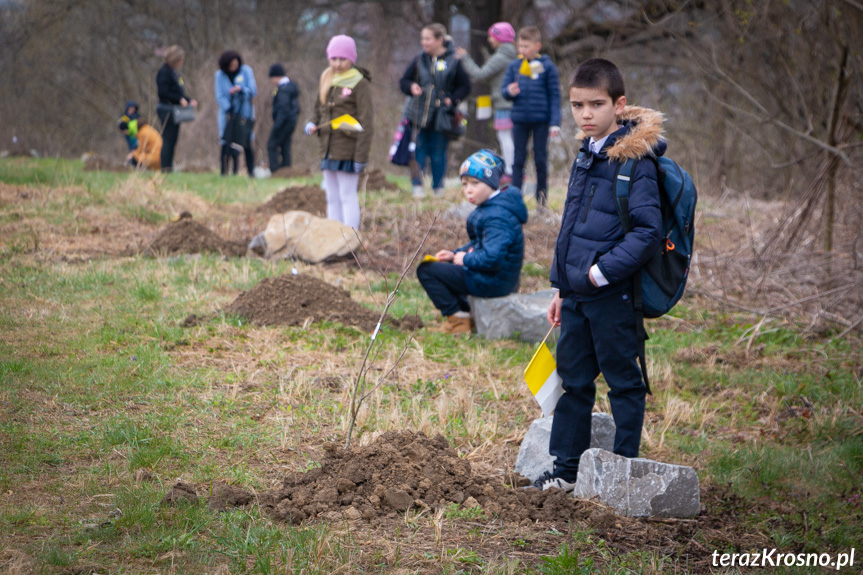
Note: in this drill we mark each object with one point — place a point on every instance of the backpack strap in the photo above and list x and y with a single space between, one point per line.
622 182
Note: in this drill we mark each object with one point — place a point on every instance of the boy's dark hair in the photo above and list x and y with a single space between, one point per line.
530 33
599 73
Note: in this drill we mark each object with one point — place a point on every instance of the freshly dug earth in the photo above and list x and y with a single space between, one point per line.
291 300
404 470
293 172
189 237
377 180
311 199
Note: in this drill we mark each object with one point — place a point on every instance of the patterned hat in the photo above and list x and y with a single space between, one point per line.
485 166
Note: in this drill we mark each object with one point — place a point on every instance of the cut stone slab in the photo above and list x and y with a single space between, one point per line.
638 487
522 313
533 457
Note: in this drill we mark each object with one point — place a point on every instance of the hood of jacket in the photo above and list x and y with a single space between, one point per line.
510 199
640 136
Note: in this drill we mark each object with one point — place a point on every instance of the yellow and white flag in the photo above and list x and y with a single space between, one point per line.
347 123
483 107
542 379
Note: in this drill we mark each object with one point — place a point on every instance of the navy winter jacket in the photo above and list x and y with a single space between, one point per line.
494 229
591 231
538 101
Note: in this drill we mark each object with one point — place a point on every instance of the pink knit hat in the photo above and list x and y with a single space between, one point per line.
342 46
502 32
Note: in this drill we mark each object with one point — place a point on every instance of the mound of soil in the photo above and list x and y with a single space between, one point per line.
311 199
291 300
401 470
293 172
377 180
190 237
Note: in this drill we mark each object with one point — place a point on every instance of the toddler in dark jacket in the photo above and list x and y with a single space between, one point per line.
489 265
594 264
532 83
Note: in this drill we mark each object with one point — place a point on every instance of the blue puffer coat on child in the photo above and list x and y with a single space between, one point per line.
538 100
494 228
591 231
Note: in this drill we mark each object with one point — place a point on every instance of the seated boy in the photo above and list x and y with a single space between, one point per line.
594 263
489 265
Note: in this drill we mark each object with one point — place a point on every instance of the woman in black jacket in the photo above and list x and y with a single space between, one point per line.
172 92
436 82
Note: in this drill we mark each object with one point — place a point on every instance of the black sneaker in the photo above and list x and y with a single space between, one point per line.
548 480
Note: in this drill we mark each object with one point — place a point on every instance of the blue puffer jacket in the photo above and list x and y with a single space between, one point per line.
538 100
591 232
494 229
241 102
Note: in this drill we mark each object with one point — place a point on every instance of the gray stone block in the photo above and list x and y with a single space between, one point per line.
522 313
638 487
533 457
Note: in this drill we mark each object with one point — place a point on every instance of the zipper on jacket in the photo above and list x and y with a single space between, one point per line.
589 201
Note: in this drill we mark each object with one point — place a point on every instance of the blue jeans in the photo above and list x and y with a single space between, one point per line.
597 336
445 285
520 135
431 144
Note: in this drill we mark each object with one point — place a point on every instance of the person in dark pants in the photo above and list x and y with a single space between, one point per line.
172 92
532 84
235 89
490 264
286 109
593 268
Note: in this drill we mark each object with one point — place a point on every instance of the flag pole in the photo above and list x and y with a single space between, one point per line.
551 329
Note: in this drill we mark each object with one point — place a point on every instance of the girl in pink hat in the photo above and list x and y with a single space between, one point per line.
501 37
345 89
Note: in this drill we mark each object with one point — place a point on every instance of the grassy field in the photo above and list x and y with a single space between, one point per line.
106 402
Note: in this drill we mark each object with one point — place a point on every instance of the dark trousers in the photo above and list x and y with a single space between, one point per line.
231 153
597 336
279 141
520 135
170 133
431 144
228 156
445 285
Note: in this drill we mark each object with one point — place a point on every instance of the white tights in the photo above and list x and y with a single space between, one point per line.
343 204
507 148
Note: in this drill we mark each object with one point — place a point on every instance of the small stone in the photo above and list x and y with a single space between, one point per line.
503 317
352 513
344 485
470 503
638 487
398 499
533 457
374 500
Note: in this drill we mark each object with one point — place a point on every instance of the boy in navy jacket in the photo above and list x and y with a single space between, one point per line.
532 83
489 265
594 263
286 109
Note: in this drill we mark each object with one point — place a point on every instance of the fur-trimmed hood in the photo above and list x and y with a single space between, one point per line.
640 136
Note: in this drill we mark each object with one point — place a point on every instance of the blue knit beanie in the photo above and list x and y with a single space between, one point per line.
485 166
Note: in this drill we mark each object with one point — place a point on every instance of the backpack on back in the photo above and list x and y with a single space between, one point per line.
663 278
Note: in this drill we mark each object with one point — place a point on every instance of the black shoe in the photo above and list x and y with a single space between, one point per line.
548 480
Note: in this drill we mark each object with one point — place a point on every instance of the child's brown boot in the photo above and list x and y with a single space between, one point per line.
457 325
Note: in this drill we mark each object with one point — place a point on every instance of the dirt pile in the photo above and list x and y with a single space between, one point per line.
377 180
293 172
311 199
291 300
189 237
403 470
